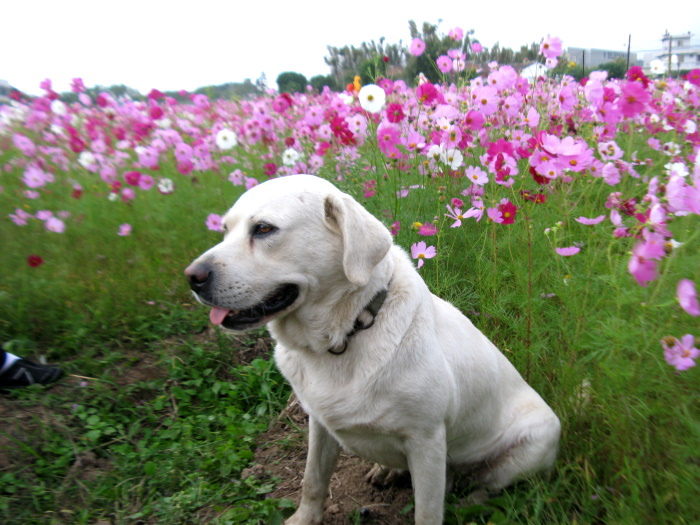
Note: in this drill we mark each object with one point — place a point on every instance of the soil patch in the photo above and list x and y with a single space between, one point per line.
281 454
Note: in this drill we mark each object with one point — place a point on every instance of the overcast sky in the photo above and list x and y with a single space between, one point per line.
175 44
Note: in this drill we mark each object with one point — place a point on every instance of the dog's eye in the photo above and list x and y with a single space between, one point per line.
262 228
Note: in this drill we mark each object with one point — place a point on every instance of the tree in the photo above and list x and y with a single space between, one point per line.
318 82
616 69
291 82
348 61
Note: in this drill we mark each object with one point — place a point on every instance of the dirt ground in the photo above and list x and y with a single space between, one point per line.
281 453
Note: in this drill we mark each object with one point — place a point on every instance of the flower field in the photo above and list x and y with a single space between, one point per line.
563 218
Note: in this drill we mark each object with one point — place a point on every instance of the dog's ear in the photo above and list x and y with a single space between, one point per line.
365 239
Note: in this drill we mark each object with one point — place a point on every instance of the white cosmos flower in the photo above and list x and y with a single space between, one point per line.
226 139
166 186
290 157
453 157
86 159
58 107
345 97
676 168
372 98
657 67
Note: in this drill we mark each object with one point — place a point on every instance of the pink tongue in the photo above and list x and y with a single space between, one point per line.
217 315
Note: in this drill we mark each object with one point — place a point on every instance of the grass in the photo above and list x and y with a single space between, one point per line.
171 448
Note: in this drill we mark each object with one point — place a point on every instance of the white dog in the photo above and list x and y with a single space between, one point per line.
384 368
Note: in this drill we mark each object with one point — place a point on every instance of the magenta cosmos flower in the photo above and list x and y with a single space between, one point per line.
633 99
421 251
641 266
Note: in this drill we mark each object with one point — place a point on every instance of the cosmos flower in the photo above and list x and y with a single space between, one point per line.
372 98
417 47
421 251
226 139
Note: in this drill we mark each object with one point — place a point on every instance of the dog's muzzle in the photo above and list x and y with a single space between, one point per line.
201 279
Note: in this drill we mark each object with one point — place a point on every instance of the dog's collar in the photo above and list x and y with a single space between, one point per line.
373 308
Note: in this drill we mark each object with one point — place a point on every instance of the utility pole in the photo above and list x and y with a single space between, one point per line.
629 43
670 41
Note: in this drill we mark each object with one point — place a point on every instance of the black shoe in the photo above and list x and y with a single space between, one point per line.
23 373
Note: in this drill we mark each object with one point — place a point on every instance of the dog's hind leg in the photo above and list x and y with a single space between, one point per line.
320 463
534 451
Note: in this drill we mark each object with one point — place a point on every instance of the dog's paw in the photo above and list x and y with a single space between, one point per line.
303 518
383 476
478 497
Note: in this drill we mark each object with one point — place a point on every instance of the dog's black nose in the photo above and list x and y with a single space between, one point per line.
198 276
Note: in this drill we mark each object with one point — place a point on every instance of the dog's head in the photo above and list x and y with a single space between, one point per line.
286 241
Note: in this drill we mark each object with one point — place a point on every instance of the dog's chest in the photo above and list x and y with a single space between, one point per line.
365 422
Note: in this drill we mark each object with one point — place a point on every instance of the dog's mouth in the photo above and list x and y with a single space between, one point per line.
259 314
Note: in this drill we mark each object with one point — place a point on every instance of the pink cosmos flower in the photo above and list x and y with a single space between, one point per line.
494 215
124 230
568 251
128 194
236 177
421 251
589 222
456 214
146 182
24 144
250 182
54 224
476 175
428 229
551 47
34 177
486 100
476 47
77 85
20 217
688 297
680 354
456 33
44 215
395 228
214 222
417 47
444 63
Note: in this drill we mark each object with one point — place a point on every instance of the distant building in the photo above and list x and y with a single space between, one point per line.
534 71
591 58
679 52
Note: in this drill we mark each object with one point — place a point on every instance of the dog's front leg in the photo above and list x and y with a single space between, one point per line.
427 461
320 463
